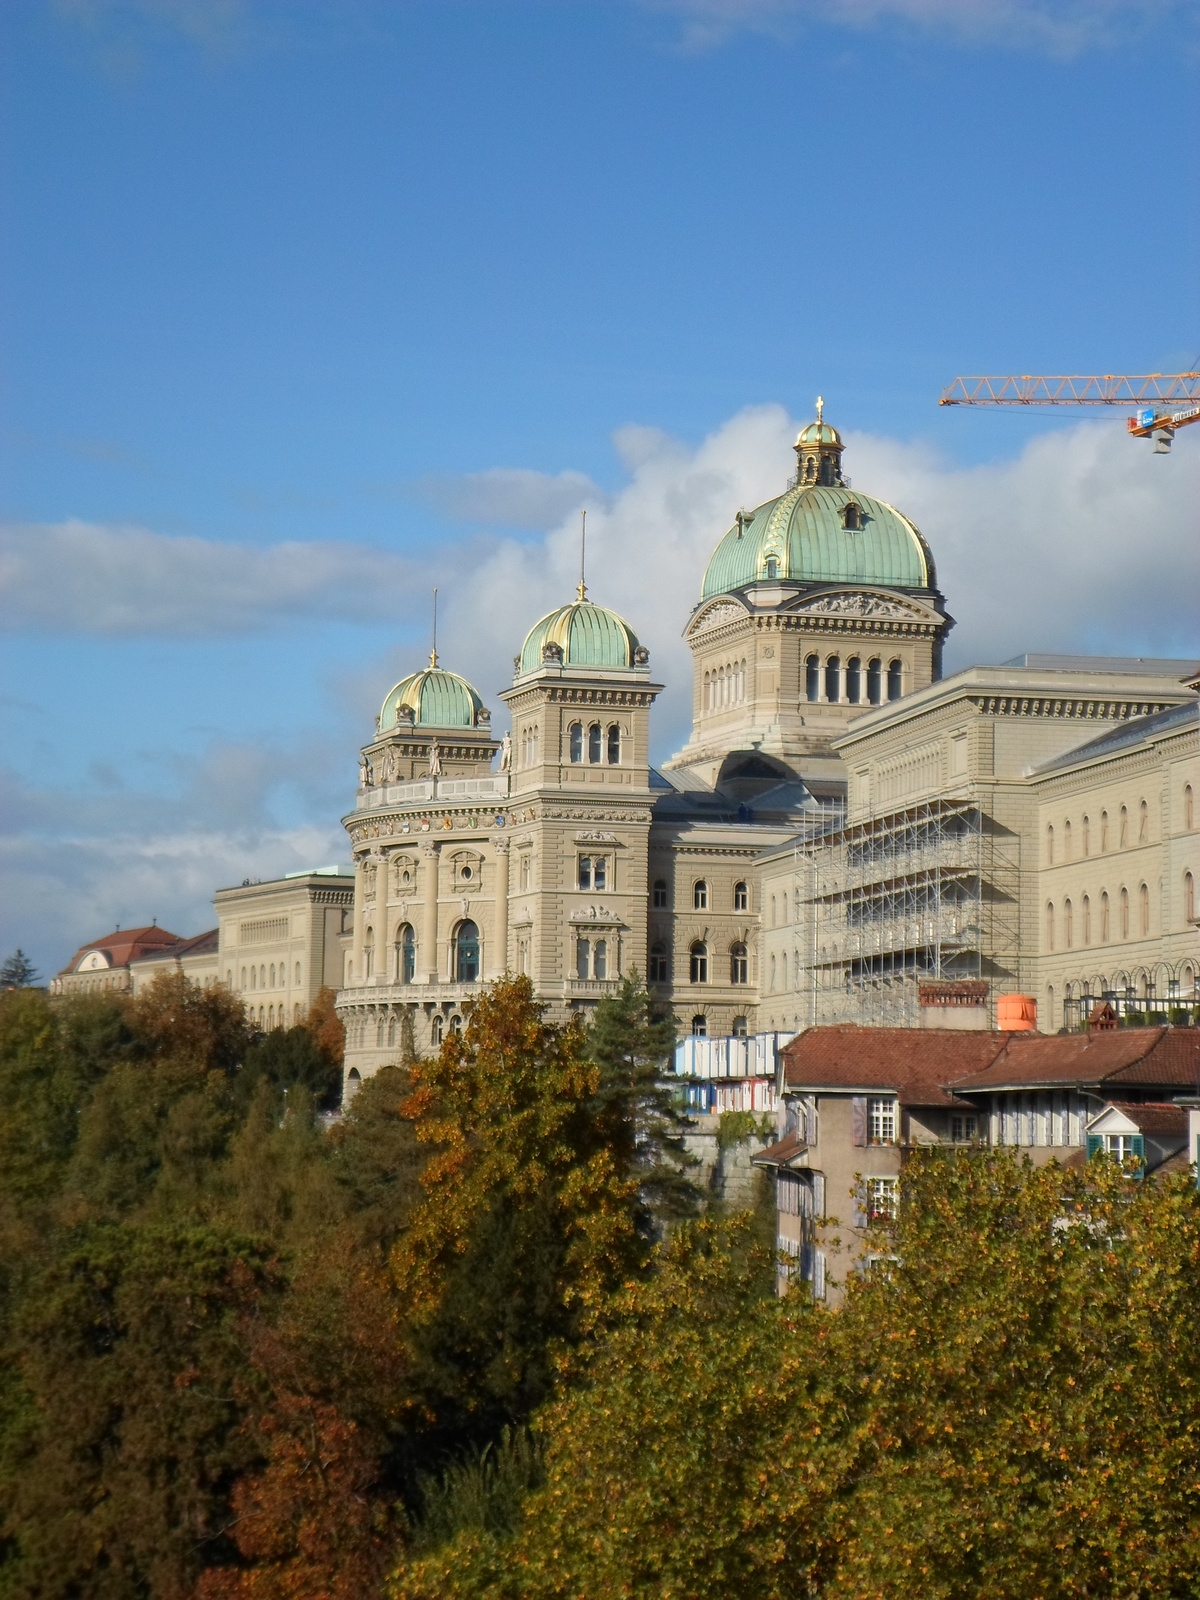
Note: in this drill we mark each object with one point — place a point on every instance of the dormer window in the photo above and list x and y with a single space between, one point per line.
772 567
851 517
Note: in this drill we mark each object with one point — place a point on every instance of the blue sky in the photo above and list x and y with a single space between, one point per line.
308 307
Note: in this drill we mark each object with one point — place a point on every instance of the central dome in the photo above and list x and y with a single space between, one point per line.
818 534
435 698
587 636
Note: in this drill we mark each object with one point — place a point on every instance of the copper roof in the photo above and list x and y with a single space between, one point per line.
124 944
915 1063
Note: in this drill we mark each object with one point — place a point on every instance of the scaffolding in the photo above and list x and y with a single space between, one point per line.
926 891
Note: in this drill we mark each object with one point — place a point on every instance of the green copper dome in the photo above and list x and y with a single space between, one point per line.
821 534
586 634
436 698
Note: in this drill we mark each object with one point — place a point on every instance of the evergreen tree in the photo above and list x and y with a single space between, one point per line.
18 972
635 1105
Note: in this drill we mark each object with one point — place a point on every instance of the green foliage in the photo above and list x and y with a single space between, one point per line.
18 972
1009 1409
735 1127
482 1494
289 1058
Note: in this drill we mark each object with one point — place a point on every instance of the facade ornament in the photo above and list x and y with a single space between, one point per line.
390 765
364 773
722 611
435 760
859 605
506 752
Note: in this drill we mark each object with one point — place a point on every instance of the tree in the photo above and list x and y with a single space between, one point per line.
18 972
636 1110
288 1057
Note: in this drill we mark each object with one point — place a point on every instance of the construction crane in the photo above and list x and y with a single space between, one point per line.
1174 398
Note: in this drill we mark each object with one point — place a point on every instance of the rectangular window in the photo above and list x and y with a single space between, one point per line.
881 1199
881 1120
585 872
963 1130
1121 1146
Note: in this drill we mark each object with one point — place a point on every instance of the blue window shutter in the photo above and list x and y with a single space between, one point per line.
1094 1145
1139 1149
858 1119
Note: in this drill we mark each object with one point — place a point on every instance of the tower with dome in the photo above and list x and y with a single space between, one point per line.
573 859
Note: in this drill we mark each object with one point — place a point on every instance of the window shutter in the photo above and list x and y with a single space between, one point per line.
1094 1145
818 1275
860 1204
819 1193
858 1119
1139 1149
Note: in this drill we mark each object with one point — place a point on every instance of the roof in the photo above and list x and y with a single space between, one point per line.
435 697
202 944
122 945
1169 1057
1153 1117
1128 735
781 1152
913 1063
588 636
1152 666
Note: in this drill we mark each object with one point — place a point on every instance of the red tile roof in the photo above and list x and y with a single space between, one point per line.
123 945
202 944
915 1063
781 1152
1167 1056
1153 1117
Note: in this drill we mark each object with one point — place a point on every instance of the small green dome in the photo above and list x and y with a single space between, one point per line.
436 698
822 534
818 433
588 636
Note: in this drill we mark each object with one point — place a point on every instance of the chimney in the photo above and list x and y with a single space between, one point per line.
1016 1013
961 1005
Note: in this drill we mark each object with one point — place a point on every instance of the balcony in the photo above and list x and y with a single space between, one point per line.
409 994
589 988
434 790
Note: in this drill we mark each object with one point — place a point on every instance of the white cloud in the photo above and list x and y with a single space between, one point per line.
513 497
81 577
1059 27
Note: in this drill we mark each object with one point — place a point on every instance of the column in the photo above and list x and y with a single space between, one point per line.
500 954
360 912
429 923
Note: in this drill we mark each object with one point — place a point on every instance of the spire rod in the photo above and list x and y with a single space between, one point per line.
582 590
433 652
820 408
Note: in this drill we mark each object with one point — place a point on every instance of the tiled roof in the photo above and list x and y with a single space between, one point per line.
1154 1116
915 1063
781 1152
202 944
1167 1056
124 944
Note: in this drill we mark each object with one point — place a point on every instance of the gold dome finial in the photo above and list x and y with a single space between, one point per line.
433 651
581 592
820 408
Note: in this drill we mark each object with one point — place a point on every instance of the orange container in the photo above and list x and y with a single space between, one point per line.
1016 1013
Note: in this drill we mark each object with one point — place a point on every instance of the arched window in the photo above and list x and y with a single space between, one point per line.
229 977
739 1027
1050 925
1067 840
1087 836
254 977
272 974
1087 920
739 964
812 678
406 953
353 1082
1189 897
875 681
1103 832
243 977
270 1016
369 953
1143 823
854 680
296 1012
575 741
833 679
583 959
699 1027
771 980
456 1024
391 1030
1050 844
1123 838
700 895
1068 924
594 741
895 679
699 963
1144 906
772 567
741 897
851 518
466 953
614 744
600 959
660 892
1104 933
659 968
436 1028
262 976
1124 913
1189 809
